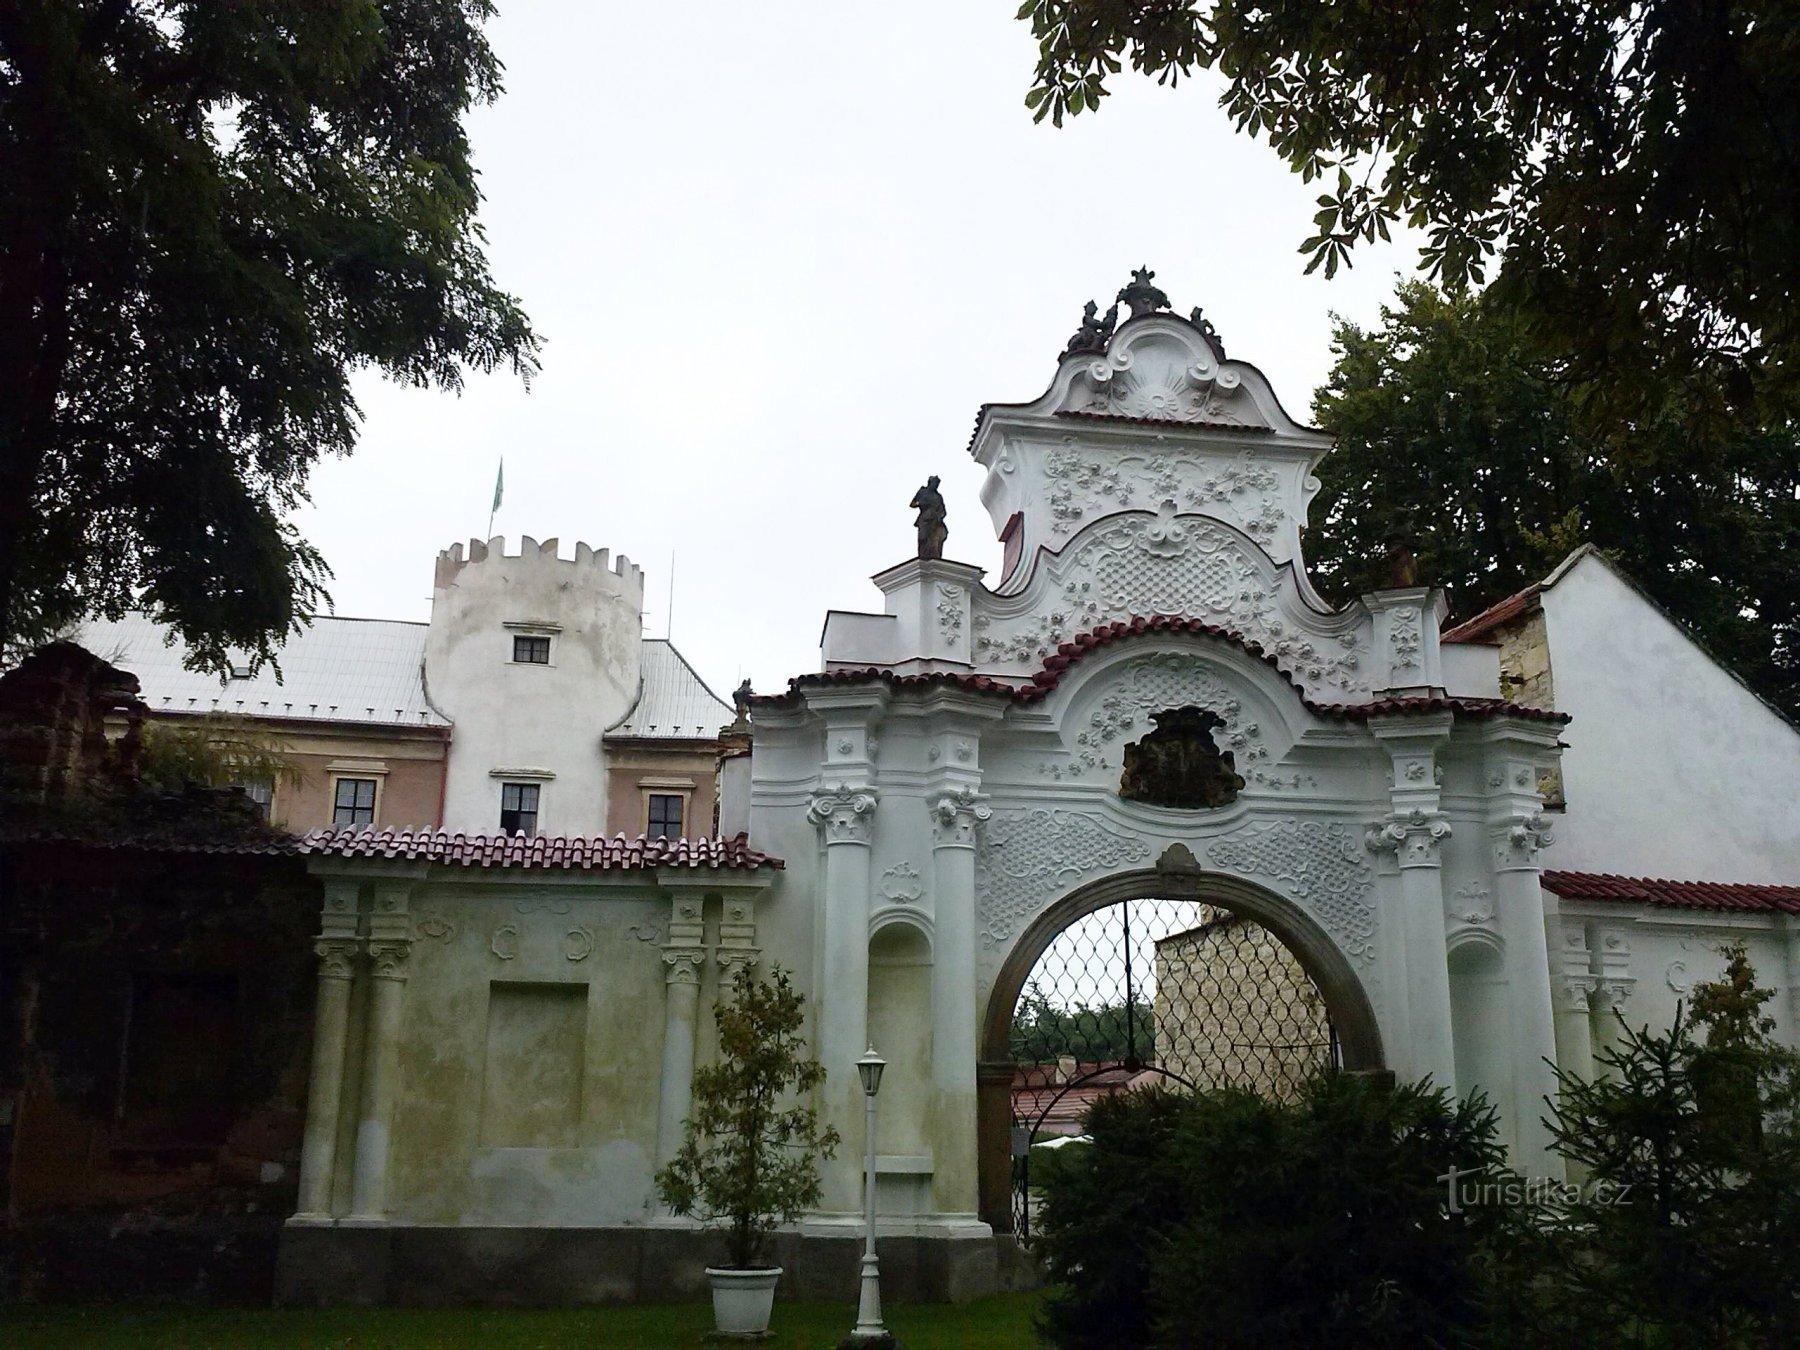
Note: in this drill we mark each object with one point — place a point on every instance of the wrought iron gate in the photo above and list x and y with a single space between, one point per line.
1156 991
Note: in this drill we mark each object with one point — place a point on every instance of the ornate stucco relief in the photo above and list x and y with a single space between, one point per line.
1175 565
1168 680
901 884
1025 857
950 611
1084 485
1318 863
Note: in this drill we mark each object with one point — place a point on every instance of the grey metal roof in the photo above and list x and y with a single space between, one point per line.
370 671
675 703
336 670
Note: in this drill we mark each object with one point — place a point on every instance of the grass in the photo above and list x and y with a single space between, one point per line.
999 1323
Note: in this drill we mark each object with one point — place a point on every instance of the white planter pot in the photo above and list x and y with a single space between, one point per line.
742 1299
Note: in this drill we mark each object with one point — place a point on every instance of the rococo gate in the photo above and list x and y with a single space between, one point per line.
1169 979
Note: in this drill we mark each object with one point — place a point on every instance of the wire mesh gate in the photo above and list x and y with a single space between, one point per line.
1146 991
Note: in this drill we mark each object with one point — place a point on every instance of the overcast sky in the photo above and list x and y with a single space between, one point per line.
779 254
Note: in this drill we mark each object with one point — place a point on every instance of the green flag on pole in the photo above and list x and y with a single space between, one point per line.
499 484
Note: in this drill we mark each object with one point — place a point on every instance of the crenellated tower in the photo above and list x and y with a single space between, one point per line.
533 657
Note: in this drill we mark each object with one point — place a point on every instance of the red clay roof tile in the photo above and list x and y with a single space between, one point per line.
1717 895
565 851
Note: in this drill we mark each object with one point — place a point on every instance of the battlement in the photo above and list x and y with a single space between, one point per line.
627 576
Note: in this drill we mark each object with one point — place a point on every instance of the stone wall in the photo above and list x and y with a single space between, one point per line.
157 1029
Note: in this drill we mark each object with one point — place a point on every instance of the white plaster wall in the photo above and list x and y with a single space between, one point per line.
534 718
1674 769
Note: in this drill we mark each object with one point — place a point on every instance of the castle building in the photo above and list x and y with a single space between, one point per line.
529 703
1470 854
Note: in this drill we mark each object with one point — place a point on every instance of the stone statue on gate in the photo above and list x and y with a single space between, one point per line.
1179 765
1095 331
932 529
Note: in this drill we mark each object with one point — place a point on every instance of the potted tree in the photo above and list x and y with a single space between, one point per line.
749 1157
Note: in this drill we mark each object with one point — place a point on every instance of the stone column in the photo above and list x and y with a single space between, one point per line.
389 946
845 817
1414 839
956 815
336 947
1530 1014
684 954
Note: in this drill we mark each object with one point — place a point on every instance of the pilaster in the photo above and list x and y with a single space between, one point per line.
845 817
1413 834
336 946
957 815
1517 833
683 954
389 946
1574 987
1404 654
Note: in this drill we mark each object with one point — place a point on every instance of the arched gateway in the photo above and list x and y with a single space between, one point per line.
1166 976
1152 705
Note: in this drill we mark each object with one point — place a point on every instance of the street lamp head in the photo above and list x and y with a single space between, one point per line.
870 1067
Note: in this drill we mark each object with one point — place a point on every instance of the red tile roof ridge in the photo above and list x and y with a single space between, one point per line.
1717 895
1493 616
566 851
1039 684
1127 419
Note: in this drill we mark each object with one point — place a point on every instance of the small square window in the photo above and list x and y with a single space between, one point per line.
531 651
353 802
518 808
665 816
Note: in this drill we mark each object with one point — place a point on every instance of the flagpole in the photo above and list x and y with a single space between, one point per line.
499 487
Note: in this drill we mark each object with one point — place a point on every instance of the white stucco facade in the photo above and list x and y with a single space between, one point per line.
535 722
1645 796
947 791
929 809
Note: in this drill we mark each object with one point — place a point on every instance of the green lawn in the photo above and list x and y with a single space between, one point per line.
987 1324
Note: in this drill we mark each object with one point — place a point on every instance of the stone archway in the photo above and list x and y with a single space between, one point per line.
1355 1039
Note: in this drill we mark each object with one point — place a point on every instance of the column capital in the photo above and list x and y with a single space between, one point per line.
337 957
1576 991
1519 840
956 814
1617 991
1412 837
844 815
684 964
388 956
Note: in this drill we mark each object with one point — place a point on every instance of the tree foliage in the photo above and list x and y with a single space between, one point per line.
214 216
1634 163
1225 1219
1043 1029
747 1160
1684 1232
214 751
1455 434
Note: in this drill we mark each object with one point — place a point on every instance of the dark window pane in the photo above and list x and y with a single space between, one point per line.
532 650
354 802
665 816
518 808
262 792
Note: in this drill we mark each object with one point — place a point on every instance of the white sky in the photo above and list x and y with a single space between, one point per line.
780 253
